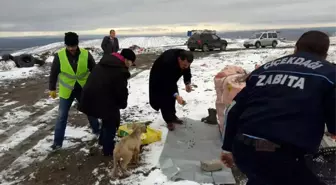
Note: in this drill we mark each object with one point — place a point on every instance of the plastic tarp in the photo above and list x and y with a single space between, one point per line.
189 144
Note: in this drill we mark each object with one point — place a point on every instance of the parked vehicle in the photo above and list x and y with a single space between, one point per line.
206 40
262 39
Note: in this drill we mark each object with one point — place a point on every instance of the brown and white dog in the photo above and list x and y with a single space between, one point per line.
127 150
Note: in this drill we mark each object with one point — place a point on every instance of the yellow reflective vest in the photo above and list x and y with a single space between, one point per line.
67 77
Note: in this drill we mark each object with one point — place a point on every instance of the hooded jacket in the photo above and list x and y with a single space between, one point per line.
106 90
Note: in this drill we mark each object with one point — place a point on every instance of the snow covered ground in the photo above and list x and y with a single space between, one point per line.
198 102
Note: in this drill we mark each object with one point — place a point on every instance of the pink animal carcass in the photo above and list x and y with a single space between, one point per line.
228 83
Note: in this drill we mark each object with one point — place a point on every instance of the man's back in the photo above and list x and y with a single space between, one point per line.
288 100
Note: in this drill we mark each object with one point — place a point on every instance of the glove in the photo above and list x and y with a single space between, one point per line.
52 94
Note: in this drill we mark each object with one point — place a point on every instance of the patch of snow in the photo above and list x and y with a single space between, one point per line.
14 116
45 102
41 150
5 104
18 137
19 73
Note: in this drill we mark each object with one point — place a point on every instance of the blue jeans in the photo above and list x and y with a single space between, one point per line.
62 119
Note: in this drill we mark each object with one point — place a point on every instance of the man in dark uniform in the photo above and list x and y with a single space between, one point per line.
163 91
281 114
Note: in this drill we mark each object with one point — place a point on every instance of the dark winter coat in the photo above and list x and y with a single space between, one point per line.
164 75
105 91
288 101
110 45
73 60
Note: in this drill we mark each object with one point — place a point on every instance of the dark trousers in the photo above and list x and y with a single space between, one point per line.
282 167
62 119
108 133
168 110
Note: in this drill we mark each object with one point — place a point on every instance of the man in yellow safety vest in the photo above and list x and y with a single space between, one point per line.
71 67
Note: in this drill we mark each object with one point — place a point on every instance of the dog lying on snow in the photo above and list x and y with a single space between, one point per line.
127 150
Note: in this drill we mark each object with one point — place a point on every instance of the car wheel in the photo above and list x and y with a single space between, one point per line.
257 45
223 47
192 49
274 44
205 48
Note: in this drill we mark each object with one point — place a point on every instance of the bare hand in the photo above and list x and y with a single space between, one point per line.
179 100
188 88
227 159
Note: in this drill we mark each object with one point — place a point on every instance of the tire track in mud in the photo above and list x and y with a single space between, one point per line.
32 120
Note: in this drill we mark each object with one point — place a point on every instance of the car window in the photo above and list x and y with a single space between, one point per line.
195 36
275 35
206 36
215 37
264 36
269 35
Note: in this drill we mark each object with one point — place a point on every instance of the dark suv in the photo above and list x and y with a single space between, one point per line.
206 41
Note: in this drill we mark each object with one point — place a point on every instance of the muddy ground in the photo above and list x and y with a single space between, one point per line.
72 166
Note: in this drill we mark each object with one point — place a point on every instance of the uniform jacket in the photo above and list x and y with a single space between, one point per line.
287 101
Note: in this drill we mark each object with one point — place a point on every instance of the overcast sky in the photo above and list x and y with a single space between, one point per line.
64 15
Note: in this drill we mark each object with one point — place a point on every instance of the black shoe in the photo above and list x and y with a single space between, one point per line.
107 154
170 126
178 121
55 147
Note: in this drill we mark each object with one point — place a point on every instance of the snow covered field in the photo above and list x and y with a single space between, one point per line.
198 101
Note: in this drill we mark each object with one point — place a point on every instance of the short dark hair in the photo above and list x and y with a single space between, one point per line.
186 55
315 42
112 31
71 39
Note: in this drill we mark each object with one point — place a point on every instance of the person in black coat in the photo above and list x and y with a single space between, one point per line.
163 92
280 115
110 43
105 93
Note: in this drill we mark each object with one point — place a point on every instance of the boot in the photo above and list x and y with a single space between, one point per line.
206 118
212 119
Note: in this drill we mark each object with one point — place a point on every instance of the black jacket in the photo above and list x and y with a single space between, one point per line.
73 59
287 101
110 46
106 91
164 75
